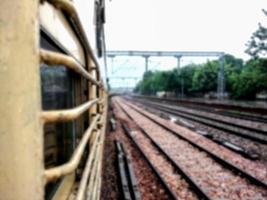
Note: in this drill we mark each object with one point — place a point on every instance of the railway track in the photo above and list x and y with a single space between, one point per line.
171 193
215 105
158 150
217 159
149 185
200 145
229 127
224 142
231 113
232 146
202 114
248 148
208 108
128 181
250 154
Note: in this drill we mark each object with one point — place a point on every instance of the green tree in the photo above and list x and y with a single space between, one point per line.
243 81
205 77
160 81
145 86
233 67
251 80
257 45
244 85
187 74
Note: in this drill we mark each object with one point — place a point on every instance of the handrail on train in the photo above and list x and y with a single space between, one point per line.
67 168
67 115
22 142
53 58
91 178
69 8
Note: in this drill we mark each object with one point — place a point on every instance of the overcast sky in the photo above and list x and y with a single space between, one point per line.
220 25
178 25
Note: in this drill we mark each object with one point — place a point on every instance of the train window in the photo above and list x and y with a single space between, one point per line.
58 92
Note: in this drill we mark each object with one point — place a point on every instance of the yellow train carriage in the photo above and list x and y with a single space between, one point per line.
53 100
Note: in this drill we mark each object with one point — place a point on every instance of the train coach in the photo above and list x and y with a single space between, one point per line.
53 99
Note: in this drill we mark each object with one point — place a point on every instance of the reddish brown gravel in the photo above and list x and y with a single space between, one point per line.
217 181
177 184
109 187
258 126
247 144
256 169
148 184
242 122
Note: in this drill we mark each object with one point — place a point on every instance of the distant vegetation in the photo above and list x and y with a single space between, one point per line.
243 80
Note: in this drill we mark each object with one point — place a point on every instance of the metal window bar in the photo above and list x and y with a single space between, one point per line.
96 160
92 187
67 115
52 58
99 170
97 124
57 172
93 175
86 173
98 190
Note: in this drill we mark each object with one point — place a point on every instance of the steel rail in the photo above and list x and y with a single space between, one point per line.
219 125
52 58
125 185
242 116
258 131
224 143
223 162
67 168
197 189
171 194
249 109
131 175
228 113
67 115
69 8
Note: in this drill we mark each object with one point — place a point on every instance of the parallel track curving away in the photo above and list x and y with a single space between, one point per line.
198 188
239 130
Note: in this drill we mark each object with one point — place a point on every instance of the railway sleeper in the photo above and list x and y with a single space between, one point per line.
234 147
128 181
223 162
